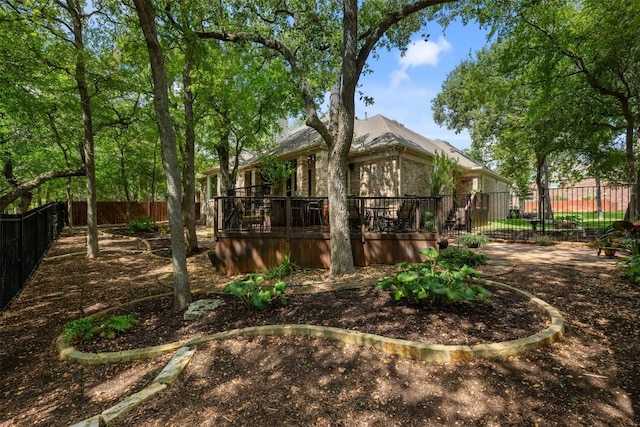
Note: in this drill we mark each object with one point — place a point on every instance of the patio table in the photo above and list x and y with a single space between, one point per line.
380 218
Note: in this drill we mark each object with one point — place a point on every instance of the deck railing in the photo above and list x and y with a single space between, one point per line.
268 214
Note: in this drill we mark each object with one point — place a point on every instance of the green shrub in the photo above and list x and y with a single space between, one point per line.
473 240
85 328
457 258
577 219
429 283
255 292
282 270
543 240
142 223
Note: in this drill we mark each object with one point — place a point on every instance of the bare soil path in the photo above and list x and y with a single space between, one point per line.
591 377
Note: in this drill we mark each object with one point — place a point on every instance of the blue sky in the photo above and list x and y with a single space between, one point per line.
403 87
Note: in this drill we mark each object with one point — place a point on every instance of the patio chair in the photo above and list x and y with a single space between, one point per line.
233 212
318 207
253 219
355 219
404 218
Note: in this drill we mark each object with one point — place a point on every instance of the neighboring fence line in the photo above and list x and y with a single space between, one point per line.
564 214
122 212
23 241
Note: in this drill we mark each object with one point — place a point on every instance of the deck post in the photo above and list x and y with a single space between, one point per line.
287 219
360 207
438 218
215 219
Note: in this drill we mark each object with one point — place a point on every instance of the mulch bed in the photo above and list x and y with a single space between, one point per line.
591 377
366 310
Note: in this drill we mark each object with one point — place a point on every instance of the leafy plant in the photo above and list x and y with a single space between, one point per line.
473 240
631 267
445 174
457 258
429 222
142 223
273 170
620 234
282 270
255 292
543 240
85 328
430 283
576 219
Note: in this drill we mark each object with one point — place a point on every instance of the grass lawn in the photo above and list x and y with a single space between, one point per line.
583 219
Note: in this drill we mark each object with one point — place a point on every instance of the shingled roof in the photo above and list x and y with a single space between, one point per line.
378 132
369 134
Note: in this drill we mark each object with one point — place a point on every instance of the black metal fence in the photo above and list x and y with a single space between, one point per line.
23 241
559 214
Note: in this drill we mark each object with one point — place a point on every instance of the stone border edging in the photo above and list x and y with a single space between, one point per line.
166 377
404 348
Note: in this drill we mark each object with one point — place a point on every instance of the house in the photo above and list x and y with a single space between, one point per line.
392 213
386 160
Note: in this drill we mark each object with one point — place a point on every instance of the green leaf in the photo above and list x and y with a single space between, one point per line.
407 276
430 252
385 283
280 286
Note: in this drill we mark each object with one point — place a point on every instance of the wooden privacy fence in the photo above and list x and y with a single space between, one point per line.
122 212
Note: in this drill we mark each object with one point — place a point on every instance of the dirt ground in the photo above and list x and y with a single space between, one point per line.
590 378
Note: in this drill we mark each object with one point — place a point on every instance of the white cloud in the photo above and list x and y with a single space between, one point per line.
419 53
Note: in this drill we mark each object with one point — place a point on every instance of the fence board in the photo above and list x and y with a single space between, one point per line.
122 212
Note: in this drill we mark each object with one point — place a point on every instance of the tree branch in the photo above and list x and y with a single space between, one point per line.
374 34
25 188
290 57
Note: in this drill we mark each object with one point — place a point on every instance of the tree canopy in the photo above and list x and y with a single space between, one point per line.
552 88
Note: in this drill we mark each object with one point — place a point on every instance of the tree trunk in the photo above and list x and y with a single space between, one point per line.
599 197
341 254
342 116
125 182
633 210
146 15
153 176
189 155
227 180
69 206
93 250
25 202
545 211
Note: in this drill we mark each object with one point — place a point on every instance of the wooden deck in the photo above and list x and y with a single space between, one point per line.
247 251
257 233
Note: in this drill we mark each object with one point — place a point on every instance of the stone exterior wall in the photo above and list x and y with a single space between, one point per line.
322 167
303 177
379 177
416 178
465 185
355 171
